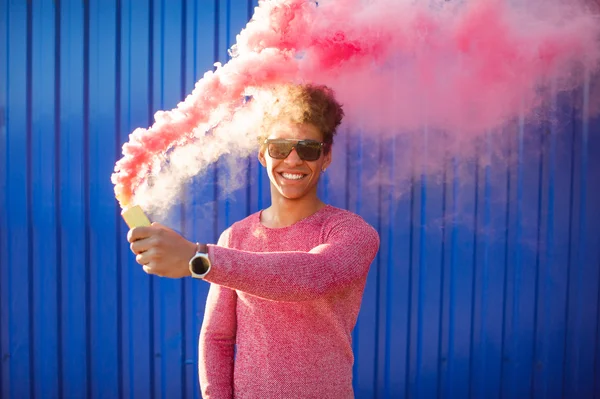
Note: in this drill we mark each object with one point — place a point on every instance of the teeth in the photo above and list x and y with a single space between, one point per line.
292 176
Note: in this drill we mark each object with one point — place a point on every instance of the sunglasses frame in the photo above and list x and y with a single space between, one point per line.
295 144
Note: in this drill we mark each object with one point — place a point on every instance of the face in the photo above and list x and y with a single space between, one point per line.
293 177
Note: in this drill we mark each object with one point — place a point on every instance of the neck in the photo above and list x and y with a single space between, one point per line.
285 212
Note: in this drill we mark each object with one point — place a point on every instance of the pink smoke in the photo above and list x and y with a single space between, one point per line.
395 65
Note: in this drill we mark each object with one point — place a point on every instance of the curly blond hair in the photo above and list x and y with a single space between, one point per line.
304 103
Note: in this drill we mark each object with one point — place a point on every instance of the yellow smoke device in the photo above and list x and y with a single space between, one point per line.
135 217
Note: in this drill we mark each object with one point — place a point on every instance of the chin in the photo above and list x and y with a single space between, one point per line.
292 195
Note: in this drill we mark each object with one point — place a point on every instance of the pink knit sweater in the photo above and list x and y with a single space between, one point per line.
287 300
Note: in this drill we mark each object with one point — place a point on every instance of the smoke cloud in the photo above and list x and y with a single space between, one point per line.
398 67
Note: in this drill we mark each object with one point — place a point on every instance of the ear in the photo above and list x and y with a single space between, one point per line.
261 157
326 160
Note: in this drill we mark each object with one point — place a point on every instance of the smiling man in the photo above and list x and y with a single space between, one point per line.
286 282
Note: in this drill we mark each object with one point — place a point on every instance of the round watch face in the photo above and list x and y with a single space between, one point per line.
200 265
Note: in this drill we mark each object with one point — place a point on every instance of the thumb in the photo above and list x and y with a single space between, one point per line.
158 225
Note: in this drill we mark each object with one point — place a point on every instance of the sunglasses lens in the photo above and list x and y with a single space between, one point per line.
309 151
280 150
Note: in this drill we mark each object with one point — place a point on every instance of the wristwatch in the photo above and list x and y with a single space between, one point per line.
199 264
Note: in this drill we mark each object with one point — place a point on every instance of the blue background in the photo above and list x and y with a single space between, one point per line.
486 284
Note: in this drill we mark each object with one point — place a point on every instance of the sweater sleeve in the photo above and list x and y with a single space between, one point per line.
217 340
344 257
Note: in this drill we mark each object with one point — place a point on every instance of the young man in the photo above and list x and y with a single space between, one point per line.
286 282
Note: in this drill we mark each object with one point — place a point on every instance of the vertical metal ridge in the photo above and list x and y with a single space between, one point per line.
443 274
506 262
582 237
356 206
422 268
216 167
407 392
248 185
597 339
228 27
387 360
519 225
118 235
597 332
162 54
249 165
131 334
550 219
538 251
183 60
453 261
195 47
86 193
2 268
182 325
570 253
57 194
376 370
4 196
226 175
474 275
29 199
183 302
486 254
162 349
151 281
183 306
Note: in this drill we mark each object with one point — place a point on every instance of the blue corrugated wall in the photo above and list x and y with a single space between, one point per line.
486 285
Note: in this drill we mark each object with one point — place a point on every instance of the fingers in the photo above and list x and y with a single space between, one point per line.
150 266
145 258
142 259
142 245
139 233
161 251
148 269
149 261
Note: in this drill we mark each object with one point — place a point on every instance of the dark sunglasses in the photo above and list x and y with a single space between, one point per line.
307 150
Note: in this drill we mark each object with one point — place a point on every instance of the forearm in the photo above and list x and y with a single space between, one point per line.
217 342
216 361
292 276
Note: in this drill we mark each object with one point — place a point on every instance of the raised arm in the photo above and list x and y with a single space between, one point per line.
217 341
297 276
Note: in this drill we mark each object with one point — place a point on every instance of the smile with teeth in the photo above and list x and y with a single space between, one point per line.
292 176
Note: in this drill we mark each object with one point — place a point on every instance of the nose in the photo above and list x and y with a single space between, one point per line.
293 158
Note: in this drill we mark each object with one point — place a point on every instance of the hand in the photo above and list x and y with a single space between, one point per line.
161 251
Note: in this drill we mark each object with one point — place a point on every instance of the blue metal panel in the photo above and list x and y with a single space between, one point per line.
138 288
19 356
74 312
552 297
104 292
44 203
486 284
4 310
363 197
197 37
167 92
490 288
582 311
